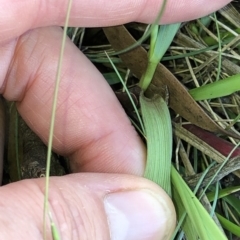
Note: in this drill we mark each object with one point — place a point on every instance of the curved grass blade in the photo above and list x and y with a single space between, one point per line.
157 123
200 218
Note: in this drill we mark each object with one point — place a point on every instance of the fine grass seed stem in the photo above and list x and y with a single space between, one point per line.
55 234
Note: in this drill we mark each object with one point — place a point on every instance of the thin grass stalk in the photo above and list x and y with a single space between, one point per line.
219 48
128 93
146 33
52 123
221 166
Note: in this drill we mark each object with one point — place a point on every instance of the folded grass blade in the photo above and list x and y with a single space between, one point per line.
204 225
157 123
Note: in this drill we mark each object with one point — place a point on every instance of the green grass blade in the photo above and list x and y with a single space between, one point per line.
157 123
161 38
184 221
217 89
234 202
164 39
55 233
231 227
128 93
146 34
224 193
204 226
219 48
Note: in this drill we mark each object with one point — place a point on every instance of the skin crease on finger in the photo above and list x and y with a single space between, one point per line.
98 13
73 199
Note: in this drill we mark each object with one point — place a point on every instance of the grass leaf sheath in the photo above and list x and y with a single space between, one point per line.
158 129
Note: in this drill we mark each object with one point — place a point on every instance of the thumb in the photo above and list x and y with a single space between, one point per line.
88 206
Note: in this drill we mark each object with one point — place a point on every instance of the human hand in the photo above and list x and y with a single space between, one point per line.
105 200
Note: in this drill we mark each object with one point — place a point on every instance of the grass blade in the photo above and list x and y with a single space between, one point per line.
54 106
161 38
233 228
203 224
157 123
217 89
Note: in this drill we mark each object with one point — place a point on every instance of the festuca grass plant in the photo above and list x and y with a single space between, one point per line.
194 221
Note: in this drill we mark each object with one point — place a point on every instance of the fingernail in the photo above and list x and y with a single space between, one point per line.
136 215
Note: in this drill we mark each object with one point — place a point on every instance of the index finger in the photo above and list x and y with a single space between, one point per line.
16 17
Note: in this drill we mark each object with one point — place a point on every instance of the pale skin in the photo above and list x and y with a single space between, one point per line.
28 60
